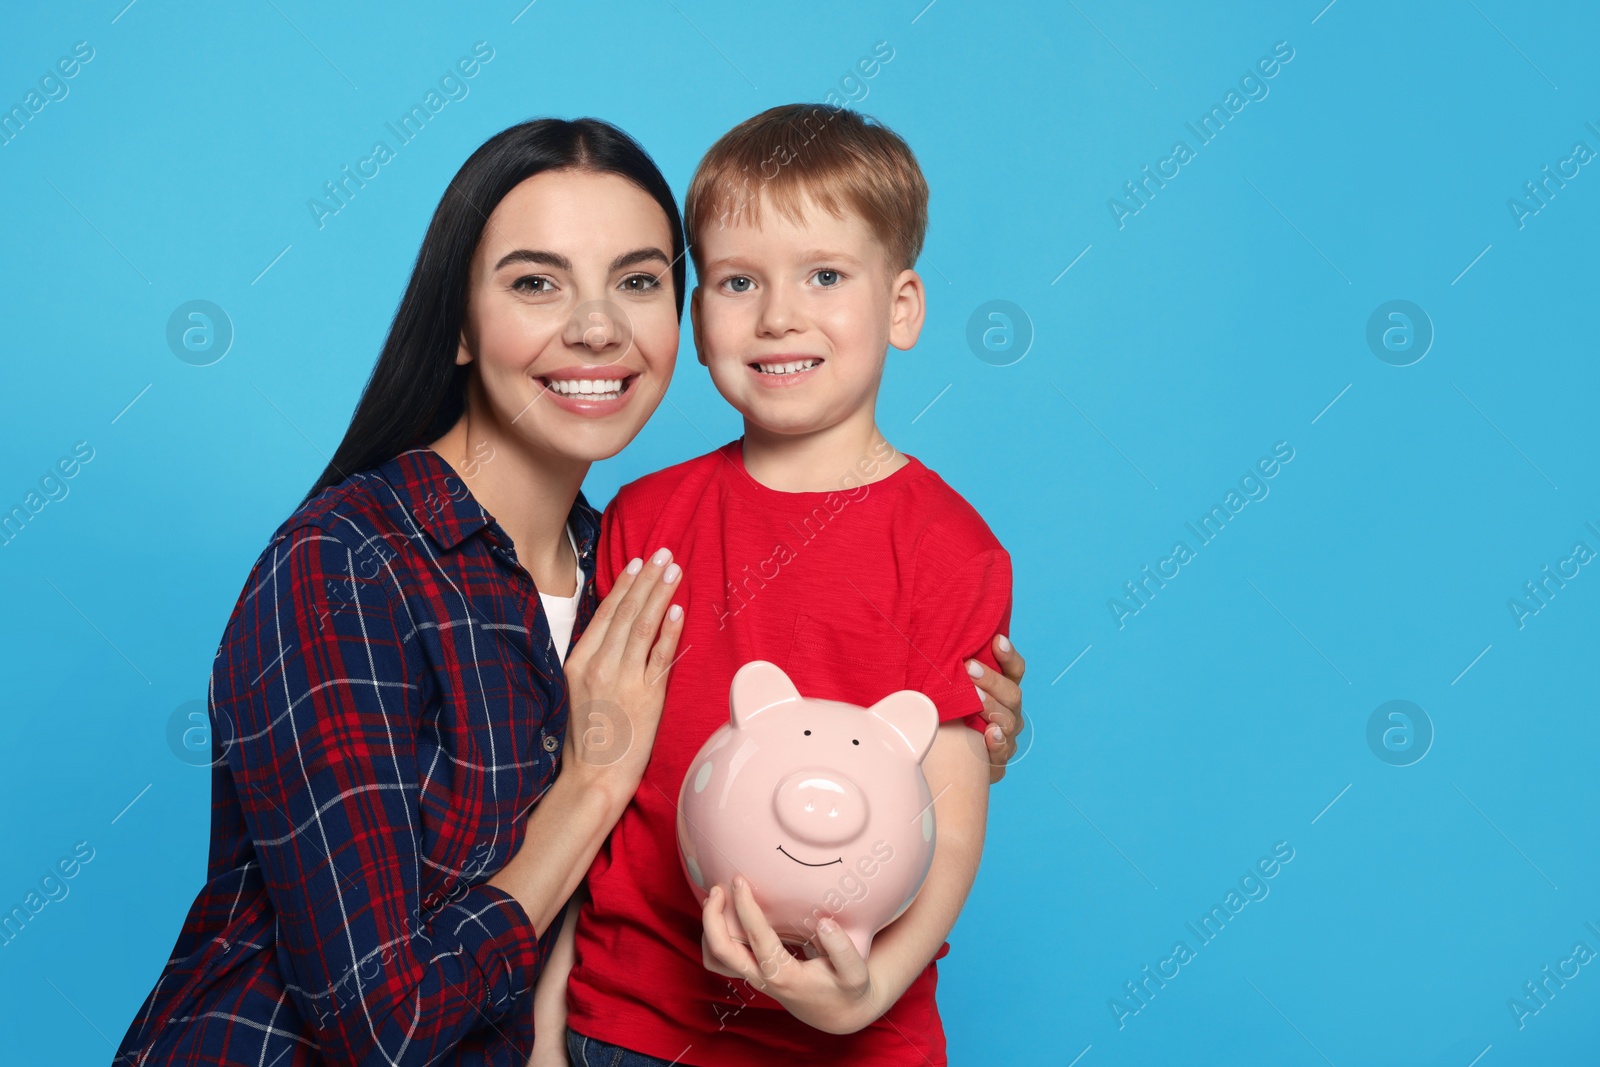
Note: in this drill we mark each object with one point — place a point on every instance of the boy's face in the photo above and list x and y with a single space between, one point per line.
794 319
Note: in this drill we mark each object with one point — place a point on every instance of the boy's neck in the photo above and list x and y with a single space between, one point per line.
841 457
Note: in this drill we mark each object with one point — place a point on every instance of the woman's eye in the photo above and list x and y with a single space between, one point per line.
739 284
532 283
827 278
641 283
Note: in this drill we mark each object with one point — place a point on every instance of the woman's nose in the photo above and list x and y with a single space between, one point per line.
598 325
820 807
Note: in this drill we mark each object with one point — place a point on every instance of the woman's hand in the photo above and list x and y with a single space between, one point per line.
616 682
833 992
617 677
1002 704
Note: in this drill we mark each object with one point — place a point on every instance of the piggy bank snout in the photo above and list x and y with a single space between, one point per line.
820 807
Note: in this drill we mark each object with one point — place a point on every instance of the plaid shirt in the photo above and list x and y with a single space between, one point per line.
387 705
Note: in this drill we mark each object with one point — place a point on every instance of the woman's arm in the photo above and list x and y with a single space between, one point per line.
1002 703
840 992
324 702
315 673
616 684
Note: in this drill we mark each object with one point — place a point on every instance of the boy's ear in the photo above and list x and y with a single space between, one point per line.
908 307
694 323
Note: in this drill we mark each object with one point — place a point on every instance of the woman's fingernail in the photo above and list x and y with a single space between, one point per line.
974 668
635 565
1005 645
998 734
661 557
825 925
675 612
672 574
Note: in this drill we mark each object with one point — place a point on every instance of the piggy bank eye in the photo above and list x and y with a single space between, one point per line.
853 741
808 733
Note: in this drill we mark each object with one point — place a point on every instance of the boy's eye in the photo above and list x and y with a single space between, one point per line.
827 278
533 283
640 283
739 284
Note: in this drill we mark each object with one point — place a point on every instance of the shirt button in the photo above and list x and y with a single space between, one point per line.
551 742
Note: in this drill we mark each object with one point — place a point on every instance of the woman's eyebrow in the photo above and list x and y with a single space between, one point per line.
560 262
529 255
638 256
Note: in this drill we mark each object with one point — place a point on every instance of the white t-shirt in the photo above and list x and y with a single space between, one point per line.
562 611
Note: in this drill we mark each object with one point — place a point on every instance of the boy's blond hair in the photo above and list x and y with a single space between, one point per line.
841 160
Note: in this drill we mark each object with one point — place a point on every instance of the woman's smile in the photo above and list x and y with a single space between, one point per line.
588 391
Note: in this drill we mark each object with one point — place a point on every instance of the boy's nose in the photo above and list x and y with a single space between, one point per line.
820 807
778 316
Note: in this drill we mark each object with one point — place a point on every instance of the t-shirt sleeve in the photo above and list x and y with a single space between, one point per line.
954 622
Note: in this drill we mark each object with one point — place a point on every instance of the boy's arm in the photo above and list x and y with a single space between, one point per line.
840 992
957 769
550 993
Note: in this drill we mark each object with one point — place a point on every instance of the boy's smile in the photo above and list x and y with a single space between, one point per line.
781 371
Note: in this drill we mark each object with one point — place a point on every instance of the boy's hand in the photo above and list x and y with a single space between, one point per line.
833 992
1002 704
549 1053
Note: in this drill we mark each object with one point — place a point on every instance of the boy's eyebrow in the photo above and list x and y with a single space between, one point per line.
560 262
809 256
827 253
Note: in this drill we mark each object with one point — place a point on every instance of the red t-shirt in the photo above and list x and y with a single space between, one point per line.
856 594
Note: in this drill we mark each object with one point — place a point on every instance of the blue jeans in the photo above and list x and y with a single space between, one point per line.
587 1052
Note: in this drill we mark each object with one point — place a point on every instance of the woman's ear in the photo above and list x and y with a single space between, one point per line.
463 349
694 323
909 304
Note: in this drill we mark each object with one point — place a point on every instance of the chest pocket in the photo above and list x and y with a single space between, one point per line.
855 641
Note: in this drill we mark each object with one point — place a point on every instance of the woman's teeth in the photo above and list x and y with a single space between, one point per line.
589 388
793 367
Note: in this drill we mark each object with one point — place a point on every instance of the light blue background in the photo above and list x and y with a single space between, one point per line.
1222 318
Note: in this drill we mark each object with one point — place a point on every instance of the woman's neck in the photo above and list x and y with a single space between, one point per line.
529 493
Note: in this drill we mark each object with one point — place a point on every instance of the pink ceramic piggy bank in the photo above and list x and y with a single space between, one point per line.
822 806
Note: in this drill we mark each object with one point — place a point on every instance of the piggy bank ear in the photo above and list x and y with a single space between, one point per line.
912 717
757 686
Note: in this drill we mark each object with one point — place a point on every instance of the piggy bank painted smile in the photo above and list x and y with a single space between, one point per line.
821 805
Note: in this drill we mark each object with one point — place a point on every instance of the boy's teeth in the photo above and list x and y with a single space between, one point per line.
599 388
792 367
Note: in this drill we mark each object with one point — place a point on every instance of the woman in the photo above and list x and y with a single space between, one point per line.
395 825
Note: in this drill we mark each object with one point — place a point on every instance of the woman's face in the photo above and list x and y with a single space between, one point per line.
571 320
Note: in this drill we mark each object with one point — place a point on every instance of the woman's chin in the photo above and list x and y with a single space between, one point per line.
586 443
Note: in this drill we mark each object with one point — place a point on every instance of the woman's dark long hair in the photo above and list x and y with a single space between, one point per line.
417 391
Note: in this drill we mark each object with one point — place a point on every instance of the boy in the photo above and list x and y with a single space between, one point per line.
813 543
